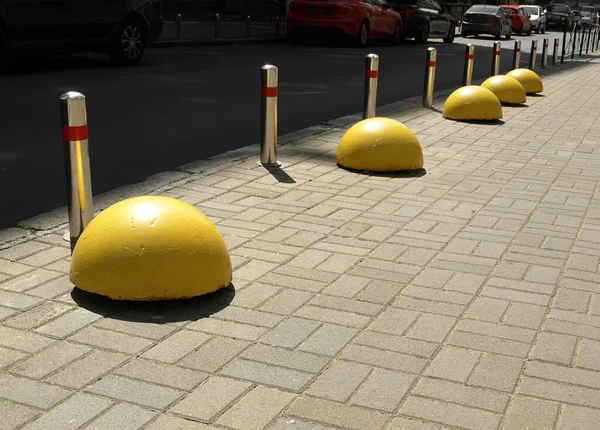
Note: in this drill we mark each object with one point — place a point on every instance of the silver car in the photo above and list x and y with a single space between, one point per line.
538 18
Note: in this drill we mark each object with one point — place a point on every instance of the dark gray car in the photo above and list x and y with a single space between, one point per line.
486 19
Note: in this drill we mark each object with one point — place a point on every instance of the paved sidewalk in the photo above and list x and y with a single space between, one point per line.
464 298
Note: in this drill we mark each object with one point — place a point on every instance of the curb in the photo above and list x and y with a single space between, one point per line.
215 42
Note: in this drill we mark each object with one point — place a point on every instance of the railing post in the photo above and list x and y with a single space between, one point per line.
545 53
77 163
371 80
179 26
248 27
269 83
555 52
516 55
217 26
582 40
430 61
469 59
564 45
574 41
533 55
496 59
277 26
587 45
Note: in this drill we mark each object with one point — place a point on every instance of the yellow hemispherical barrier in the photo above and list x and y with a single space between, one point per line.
529 79
150 248
472 103
506 88
379 145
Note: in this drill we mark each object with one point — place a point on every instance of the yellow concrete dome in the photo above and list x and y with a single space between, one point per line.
150 248
529 79
506 88
472 103
379 145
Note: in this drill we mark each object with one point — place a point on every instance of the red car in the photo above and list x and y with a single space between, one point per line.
361 19
519 17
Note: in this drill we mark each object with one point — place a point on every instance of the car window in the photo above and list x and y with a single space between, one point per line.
533 10
483 9
524 12
435 5
558 8
510 11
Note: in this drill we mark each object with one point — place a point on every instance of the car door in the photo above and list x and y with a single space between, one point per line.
427 9
373 8
94 20
526 19
37 22
388 18
443 20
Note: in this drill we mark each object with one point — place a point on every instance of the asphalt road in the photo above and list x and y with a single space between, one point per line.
182 105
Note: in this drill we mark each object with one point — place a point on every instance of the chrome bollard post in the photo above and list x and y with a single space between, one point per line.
533 55
555 52
516 55
77 163
574 42
269 83
179 27
582 40
545 53
371 78
496 59
430 61
217 26
277 31
248 27
468 70
587 45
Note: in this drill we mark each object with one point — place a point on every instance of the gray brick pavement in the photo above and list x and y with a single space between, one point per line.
465 298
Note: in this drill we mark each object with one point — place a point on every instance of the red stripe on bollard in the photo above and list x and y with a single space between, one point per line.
517 49
430 63
469 57
268 91
371 73
74 133
496 53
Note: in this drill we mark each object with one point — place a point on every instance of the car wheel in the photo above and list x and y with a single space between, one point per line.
363 34
451 34
509 34
397 38
498 34
424 35
520 30
129 43
529 31
463 34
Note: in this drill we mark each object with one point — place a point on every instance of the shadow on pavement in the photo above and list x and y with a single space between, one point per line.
158 311
278 173
397 174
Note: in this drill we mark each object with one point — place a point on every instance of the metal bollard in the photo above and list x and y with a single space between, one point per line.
179 27
587 45
516 55
496 59
77 163
217 26
533 55
545 53
564 44
574 42
582 40
268 112
555 52
371 78
468 70
429 77
277 26
248 27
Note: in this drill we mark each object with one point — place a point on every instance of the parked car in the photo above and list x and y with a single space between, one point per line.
592 11
121 29
558 15
537 17
576 17
519 18
586 18
486 19
424 19
363 20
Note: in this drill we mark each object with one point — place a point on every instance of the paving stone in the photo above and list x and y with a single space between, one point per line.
53 288
328 339
286 302
111 340
29 280
296 424
487 309
176 346
385 359
30 392
282 357
489 344
383 390
530 413
14 415
468 283
13 268
253 270
18 301
68 323
345 304
333 316
434 307
397 343
564 374
290 333
6 312
288 379
497 372
560 392
227 328
50 360
555 347
22 340
455 364
339 381
577 418
211 398
496 330
394 321
337 414
141 393
247 316
588 354
433 328
72 413
254 294
524 315
168 422
38 315
141 329
450 297
256 409
158 373
403 423
379 292
88 369
214 354
572 300
21 250
122 416
10 356
46 256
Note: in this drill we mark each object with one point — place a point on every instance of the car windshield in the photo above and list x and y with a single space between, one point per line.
557 8
584 13
483 9
533 10
510 11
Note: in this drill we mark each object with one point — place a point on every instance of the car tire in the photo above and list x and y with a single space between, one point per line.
463 34
520 30
129 43
451 34
528 33
397 37
509 34
424 35
498 34
362 38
